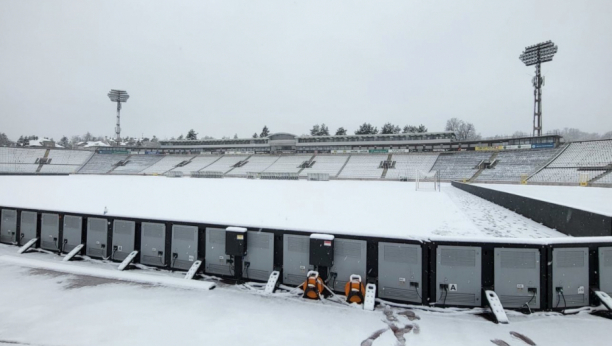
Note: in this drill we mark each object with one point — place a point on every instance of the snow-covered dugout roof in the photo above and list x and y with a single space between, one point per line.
361 208
322 236
236 229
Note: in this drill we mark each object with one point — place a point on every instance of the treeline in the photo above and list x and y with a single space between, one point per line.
464 131
368 129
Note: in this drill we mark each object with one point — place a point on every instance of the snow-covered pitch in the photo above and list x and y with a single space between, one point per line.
361 208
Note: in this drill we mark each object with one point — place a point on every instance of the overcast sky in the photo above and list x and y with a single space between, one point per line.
230 67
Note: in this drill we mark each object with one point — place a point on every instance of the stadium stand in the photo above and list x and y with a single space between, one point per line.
19 155
102 163
288 164
363 167
165 164
407 164
18 168
512 165
568 164
69 157
136 164
606 179
63 169
564 169
563 175
459 166
225 163
330 164
256 164
198 163
585 154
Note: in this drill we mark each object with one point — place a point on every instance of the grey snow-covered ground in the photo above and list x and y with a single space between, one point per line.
46 307
495 220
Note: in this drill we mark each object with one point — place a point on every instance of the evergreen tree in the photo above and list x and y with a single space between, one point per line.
264 132
64 142
409 129
154 139
255 135
192 135
315 130
4 140
341 131
389 128
421 129
366 129
324 131
180 138
235 136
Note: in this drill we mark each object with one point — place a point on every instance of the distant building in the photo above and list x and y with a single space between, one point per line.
91 144
44 142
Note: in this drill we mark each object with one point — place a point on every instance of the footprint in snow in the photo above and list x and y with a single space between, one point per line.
500 342
389 314
522 337
410 315
370 340
399 332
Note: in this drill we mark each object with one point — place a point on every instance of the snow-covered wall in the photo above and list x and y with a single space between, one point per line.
569 220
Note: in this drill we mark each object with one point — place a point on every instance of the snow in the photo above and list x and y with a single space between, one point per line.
372 208
495 220
322 236
236 229
39 306
96 144
107 274
594 199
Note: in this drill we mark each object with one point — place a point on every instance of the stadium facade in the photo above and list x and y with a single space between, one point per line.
286 143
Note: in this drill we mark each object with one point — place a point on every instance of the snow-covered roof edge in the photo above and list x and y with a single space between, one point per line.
322 236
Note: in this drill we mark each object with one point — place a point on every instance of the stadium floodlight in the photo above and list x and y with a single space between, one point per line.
536 55
118 96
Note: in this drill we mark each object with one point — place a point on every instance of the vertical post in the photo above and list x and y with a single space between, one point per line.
537 105
118 128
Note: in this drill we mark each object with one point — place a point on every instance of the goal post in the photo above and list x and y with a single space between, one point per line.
583 179
427 180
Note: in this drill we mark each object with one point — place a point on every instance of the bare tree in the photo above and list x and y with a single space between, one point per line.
463 131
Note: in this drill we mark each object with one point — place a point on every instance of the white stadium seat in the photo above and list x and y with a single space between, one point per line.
363 167
329 164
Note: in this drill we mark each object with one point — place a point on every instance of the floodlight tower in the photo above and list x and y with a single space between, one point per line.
536 55
118 96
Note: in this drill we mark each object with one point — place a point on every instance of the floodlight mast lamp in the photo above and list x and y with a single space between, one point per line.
118 96
536 55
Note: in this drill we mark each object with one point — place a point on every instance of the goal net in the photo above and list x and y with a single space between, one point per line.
427 180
